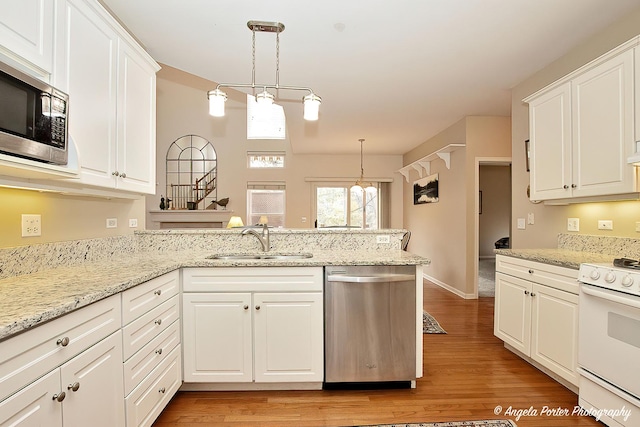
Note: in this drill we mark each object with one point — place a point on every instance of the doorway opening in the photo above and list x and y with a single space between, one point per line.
493 220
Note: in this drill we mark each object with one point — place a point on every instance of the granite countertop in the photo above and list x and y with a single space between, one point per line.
32 299
560 257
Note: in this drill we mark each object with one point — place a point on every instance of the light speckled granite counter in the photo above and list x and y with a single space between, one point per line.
31 299
561 257
574 249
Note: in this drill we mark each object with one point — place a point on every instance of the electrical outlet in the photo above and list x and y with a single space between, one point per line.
605 224
521 224
133 222
303 219
530 218
573 224
31 225
383 239
112 222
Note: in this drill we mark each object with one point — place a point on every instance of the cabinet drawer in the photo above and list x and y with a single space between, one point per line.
252 279
30 355
144 361
146 327
142 298
146 402
564 279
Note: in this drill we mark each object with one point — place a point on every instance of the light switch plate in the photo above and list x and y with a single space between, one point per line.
573 224
530 218
112 222
521 224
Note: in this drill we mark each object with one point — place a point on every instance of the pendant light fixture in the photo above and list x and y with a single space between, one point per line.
361 182
217 98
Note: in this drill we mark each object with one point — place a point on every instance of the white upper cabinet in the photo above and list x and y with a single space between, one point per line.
111 86
582 131
26 33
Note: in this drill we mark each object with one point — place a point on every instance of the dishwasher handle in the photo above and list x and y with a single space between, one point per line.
376 278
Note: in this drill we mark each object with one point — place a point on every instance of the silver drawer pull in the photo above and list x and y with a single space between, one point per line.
59 396
157 292
158 322
159 351
73 387
162 390
63 342
530 271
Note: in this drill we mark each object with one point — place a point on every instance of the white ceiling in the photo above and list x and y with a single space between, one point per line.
433 61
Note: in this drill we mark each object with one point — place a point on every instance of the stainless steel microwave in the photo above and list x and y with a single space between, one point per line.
33 118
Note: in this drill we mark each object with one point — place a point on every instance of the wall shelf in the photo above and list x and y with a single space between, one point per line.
424 163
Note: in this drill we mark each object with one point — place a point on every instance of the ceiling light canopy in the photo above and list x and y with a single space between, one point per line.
361 182
217 98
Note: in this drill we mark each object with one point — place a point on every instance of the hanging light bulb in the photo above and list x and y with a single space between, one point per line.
311 106
265 98
217 98
361 182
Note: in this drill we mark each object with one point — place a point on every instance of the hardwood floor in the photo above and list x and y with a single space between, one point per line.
468 373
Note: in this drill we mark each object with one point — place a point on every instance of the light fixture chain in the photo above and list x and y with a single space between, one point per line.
253 59
277 59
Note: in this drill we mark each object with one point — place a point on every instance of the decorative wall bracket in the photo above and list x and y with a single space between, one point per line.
423 165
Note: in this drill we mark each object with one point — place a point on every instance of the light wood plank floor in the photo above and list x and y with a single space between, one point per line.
468 373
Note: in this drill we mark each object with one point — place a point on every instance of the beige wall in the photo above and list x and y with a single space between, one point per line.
445 231
495 184
182 109
551 220
64 217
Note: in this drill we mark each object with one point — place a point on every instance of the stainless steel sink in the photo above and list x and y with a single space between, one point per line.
266 255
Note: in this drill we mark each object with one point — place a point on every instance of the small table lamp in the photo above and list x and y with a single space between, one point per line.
235 221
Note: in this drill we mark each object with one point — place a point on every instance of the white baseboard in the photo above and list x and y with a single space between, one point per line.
449 287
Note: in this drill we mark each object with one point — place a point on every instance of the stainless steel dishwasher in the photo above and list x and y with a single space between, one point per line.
370 324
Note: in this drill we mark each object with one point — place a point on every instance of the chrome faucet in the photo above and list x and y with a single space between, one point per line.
263 237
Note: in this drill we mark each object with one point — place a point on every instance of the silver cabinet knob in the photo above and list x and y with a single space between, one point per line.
526 292
115 173
574 186
59 396
123 175
158 322
246 307
530 271
162 390
566 187
257 307
533 294
73 387
63 341
159 351
157 292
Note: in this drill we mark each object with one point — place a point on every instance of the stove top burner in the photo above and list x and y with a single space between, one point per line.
626 263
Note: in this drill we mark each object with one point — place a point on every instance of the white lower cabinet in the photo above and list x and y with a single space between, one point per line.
535 318
86 390
253 325
151 347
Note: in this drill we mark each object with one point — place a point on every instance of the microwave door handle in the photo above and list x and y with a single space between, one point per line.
610 297
382 278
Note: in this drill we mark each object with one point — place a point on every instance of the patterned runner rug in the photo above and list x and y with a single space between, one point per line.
431 325
483 423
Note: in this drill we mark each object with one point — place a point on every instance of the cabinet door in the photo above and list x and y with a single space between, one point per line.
550 144
288 337
86 69
98 400
602 105
217 337
512 316
26 29
34 405
136 159
554 331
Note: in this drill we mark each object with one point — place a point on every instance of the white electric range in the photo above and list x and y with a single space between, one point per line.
609 341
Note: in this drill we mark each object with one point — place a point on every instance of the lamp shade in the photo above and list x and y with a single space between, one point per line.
235 221
311 106
217 98
263 220
265 98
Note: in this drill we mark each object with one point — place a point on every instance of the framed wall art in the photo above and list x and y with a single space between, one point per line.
425 190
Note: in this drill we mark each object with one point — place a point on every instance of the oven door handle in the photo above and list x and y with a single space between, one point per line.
609 296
